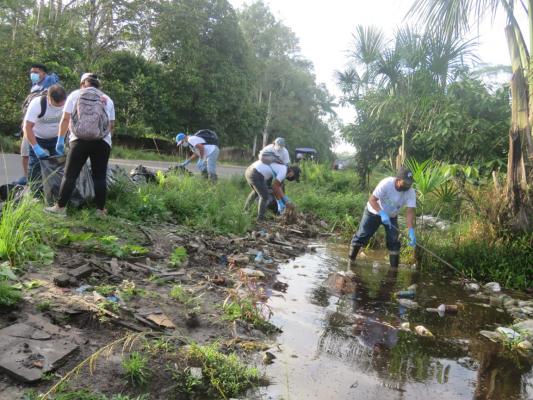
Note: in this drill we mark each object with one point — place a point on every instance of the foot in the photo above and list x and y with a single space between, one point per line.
102 213
56 210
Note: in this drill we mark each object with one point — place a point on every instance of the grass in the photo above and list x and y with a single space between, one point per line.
247 310
9 296
45 305
223 376
178 256
136 369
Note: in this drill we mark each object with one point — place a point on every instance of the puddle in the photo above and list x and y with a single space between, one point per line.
321 357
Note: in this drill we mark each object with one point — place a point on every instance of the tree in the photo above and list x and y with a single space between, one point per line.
453 17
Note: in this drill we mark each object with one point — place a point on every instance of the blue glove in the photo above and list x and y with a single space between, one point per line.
281 206
40 152
200 164
60 145
385 220
185 163
412 237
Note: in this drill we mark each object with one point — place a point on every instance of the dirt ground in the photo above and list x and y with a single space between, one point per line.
90 299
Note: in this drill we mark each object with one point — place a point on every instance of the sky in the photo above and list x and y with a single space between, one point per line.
325 27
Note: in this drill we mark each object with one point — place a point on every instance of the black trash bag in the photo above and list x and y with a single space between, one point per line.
116 175
52 170
141 174
11 191
178 170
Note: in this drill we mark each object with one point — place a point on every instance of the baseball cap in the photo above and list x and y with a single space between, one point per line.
406 175
180 137
280 142
88 75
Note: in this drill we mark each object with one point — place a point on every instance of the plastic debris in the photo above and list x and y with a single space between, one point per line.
405 294
405 326
508 333
493 287
161 320
259 257
447 309
423 331
252 273
408 303
472 287
83 288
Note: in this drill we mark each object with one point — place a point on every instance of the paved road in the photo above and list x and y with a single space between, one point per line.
11 167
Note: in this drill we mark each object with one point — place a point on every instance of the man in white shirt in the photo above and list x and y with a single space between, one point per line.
257 176
279 148
389 196
96 149
41 123
206 153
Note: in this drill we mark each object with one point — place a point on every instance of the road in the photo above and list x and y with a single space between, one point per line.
11 167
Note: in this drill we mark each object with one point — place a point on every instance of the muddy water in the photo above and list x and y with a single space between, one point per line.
320 356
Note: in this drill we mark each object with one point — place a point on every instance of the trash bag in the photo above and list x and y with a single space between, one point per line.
11 191
178 170
140 174
52 170
116 174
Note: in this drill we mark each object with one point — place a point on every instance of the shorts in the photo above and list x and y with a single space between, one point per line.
25 147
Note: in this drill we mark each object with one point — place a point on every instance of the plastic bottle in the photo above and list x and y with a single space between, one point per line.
447 308
259 257
406 294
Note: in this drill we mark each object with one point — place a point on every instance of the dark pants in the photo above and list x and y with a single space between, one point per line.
369 225
34 169
98 151
257 181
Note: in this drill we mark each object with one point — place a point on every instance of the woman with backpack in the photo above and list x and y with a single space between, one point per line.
89 116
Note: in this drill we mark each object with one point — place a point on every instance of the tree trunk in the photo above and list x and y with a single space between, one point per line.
517 206
267 119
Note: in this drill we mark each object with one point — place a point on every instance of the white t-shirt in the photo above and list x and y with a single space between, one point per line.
278 171
47 126
281 152
71 102
391 200
196 140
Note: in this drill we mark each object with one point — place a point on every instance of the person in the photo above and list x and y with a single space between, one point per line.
279 148
257 176
97 148
41 124
384 204
207 154
40 81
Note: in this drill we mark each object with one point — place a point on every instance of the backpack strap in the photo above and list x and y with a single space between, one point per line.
44 104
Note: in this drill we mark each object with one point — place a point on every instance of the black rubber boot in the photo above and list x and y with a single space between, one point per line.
354 250
394 260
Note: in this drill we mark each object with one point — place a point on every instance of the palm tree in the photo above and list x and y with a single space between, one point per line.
455 17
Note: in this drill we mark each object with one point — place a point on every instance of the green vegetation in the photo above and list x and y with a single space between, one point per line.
83 394
136 369
9 296
45 305
223 376
183 296
247 310
178 256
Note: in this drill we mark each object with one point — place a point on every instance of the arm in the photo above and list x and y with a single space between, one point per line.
63 125
276 189
201 150
373 200
410 216
28 132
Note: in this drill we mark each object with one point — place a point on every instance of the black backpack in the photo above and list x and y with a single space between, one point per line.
44 103
209 136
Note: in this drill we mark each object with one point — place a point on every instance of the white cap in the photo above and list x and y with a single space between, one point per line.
86 76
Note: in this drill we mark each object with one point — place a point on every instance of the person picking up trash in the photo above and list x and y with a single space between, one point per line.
389 196
204 146
257 176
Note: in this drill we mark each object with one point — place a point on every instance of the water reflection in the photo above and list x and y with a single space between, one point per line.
360 331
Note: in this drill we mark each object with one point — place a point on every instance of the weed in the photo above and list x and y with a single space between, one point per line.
127 290
178 256
135 368
247 310
9 296
105 290
45 305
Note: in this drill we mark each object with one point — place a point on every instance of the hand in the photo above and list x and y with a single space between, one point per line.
385 220
40 152
200 164
412 237
60 145
184 163
281 206
286 199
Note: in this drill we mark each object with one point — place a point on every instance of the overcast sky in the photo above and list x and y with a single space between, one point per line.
325 27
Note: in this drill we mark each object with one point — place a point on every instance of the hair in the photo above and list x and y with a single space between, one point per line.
92 80
296 171
40 66
57 93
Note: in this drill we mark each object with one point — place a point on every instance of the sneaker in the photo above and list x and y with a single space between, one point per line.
56 210
101 213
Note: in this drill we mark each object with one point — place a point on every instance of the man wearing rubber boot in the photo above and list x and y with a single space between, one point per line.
383 206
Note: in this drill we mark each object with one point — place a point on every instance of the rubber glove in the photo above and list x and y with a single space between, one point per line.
281 206
385 220
40 152
185 163
412 237
200 164
60 145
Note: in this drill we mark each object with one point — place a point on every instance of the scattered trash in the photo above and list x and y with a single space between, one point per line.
472 287
448 308
423 331
405 326
112 298
411 304
405 294
493 287
268 357
252 273
83 288
508 333
259 257
196 372
161 320
413 287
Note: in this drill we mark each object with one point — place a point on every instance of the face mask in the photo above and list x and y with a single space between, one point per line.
403 188
34 77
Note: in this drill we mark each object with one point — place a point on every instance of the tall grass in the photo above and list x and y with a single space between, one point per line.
18 234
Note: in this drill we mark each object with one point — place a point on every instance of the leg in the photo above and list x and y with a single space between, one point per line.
76 158
212 164
250 199
25 154
99 155
393 243
257 181
367 227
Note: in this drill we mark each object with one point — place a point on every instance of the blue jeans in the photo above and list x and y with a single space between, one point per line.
34 169
369 225
210 167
